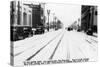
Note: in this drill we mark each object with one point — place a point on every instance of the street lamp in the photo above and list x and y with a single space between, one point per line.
48 12
53 19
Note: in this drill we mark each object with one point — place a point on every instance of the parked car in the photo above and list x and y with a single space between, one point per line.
39 30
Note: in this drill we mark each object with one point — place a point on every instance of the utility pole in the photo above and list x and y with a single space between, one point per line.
48 12
53 20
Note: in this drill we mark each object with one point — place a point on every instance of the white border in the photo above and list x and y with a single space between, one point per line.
5 32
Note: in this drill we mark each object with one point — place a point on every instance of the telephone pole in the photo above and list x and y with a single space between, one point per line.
48 12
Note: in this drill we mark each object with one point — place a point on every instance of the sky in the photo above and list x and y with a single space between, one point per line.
67 13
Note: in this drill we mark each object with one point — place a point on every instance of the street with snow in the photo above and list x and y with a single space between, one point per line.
55 45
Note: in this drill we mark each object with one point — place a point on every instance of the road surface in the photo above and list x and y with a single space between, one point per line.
56 45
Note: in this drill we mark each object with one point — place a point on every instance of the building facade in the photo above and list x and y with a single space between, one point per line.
22 14
89 18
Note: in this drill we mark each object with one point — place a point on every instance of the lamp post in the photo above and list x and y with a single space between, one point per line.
53 20
48 12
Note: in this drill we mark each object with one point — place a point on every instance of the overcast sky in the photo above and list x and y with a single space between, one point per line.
67 13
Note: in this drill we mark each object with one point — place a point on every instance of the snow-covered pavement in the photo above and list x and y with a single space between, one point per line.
56 45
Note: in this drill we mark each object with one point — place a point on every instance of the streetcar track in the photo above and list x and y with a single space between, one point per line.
18 53
36 53
89 42
51 57
94 41
27 49
92 46
42 48
68 52
23 51
81 51
30 41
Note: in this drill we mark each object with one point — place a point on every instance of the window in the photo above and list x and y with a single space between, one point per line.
24 18
30 20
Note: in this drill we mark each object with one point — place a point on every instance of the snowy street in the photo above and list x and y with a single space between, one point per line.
54 45
50 33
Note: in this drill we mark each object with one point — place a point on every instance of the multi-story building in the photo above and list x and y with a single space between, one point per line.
21 20
22 14
38 17
26 17
89 19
